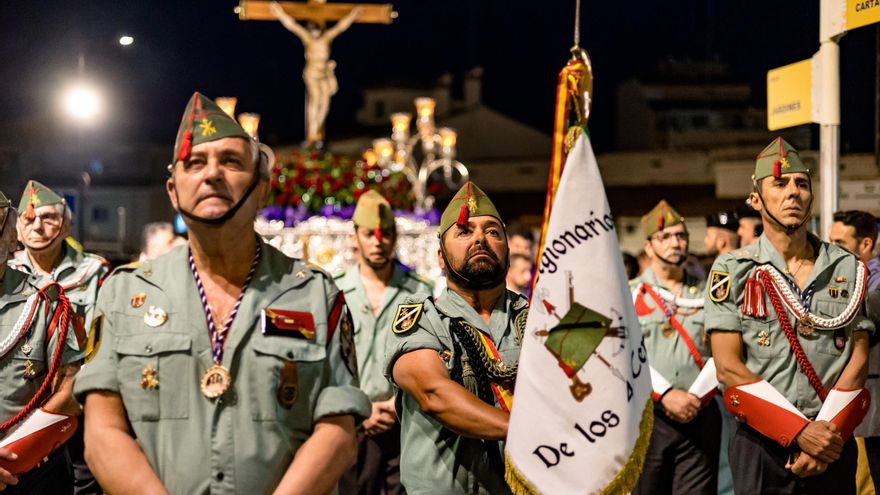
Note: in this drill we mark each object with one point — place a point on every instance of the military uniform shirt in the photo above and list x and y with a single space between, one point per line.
79 273
766 351
434 459
244 441
371 332
17 388
668 353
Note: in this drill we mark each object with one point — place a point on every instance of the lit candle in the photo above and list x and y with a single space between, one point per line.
227 104
250 122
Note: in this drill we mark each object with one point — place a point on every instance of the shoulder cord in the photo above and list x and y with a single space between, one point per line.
79 277
61 317
688 341
519 324
473 379
21 326
799 355
494 368
776 282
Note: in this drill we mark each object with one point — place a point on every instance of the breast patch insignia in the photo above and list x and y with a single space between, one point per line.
406 317
719 286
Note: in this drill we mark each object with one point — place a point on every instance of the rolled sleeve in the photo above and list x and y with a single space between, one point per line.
414 340
343 399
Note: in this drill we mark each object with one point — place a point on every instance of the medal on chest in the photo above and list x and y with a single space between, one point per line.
217 379
667 330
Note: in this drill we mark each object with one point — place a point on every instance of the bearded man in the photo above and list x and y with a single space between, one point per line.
454 360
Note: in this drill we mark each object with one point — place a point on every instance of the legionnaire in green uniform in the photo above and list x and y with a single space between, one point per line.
683 453
39 355
790 342
51 256
455 359
373 290
233 364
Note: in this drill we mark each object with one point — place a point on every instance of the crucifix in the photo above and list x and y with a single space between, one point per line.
319 73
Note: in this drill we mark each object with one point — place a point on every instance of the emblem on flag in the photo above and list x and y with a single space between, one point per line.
406 317
719 286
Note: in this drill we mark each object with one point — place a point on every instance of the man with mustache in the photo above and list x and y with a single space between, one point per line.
454 360
226 367
683 453
373 289
790 342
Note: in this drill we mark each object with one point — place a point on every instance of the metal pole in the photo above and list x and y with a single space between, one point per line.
829 134
877 97
831 28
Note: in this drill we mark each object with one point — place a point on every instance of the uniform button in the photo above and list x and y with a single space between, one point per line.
220 476
148 348
289 354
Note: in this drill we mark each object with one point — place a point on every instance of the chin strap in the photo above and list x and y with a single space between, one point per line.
470 283
229 213
772 217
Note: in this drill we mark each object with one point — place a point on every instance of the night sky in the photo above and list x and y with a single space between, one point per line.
181 46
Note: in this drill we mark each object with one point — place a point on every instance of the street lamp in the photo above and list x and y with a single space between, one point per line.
437 151
82 103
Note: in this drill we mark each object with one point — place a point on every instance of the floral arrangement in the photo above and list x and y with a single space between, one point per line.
310 183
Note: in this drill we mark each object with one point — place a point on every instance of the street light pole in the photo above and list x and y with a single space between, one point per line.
829 113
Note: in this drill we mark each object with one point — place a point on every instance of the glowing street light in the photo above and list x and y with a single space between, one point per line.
82 103
126 40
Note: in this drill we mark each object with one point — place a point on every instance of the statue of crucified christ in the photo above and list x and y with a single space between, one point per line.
319 73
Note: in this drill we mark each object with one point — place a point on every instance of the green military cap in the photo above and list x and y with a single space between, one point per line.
373 211
778 158
469 201
662 216
36 195
203 121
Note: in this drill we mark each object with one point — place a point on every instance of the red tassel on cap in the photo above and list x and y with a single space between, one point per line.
777 169
185 146
29 213
463 216
753 299
660 222
378 231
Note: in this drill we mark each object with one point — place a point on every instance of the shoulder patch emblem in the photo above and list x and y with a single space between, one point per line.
719 286
406 317
96 332
346 343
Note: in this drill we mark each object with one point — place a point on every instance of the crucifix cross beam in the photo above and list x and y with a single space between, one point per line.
316 11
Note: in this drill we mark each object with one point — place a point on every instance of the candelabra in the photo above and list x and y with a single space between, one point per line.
437 150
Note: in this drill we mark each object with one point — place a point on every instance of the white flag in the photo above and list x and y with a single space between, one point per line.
582 411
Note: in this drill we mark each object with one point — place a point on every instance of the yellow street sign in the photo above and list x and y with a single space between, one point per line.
789 95
861 13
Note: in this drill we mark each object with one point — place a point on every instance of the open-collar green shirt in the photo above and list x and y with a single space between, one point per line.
766 351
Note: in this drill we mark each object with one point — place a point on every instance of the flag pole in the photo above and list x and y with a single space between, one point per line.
574 94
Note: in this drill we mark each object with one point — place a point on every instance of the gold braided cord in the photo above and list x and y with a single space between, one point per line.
623 482
496 369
